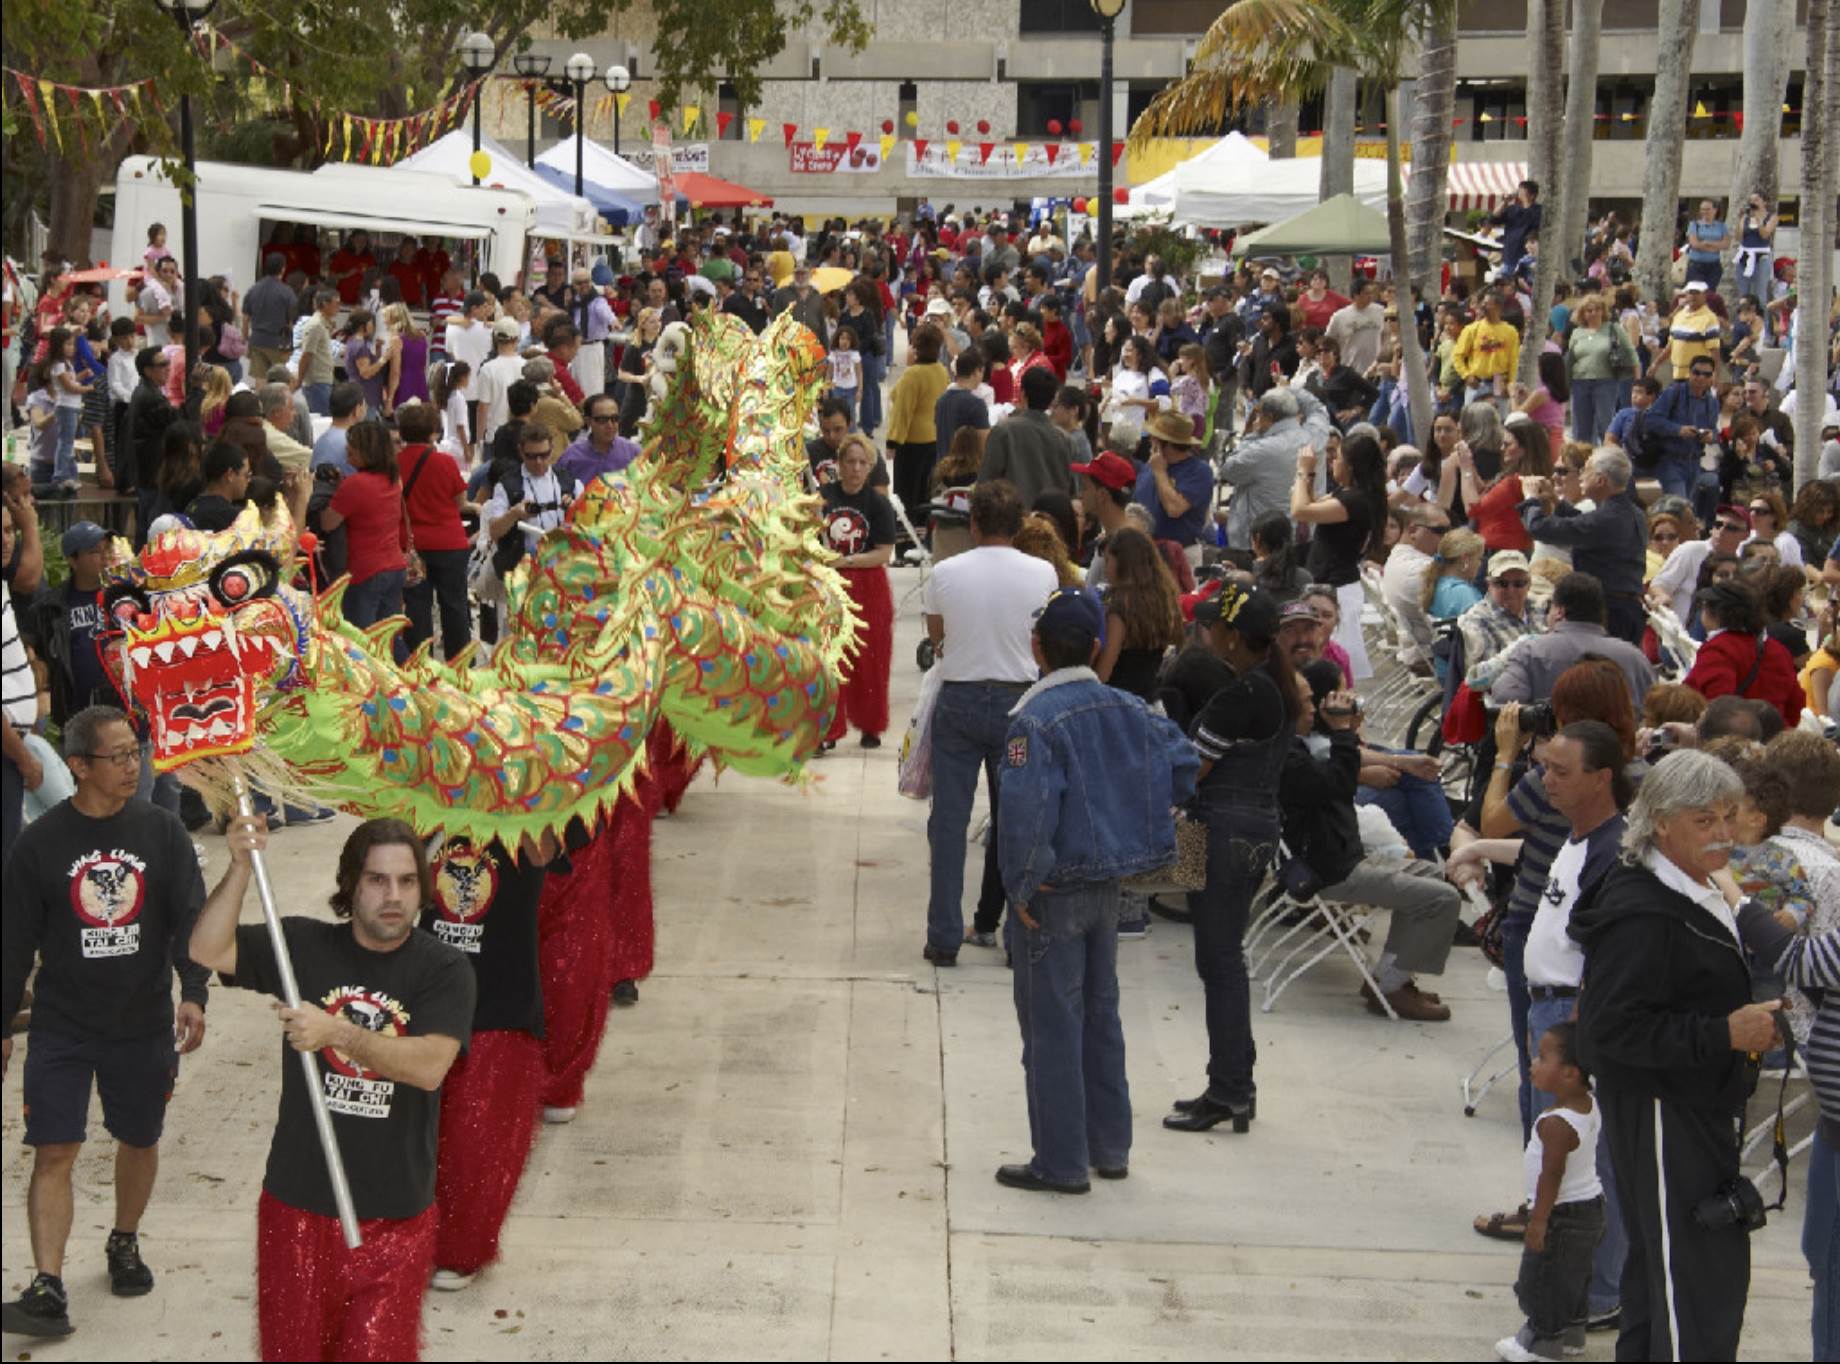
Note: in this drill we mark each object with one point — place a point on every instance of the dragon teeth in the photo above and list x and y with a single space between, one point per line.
143 656
188 645
213 639
165 650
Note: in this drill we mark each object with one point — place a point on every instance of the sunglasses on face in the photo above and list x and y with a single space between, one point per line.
532 456
600 417
1735 527
1762 511
1664 537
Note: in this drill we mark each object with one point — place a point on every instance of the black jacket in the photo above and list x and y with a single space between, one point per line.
1660 979
1317 799
149 414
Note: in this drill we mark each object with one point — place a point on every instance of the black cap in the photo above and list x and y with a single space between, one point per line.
1252 612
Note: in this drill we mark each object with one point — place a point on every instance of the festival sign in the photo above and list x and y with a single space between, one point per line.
808 158
688 156
1012 161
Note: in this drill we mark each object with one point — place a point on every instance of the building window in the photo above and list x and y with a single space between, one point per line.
1039 101
908 98
1498 111
1057 16
1710 106
727 103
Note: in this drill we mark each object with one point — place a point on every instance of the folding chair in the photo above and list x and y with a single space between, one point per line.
1473 1095
1328 926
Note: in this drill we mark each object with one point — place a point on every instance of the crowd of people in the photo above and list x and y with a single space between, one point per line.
1157 523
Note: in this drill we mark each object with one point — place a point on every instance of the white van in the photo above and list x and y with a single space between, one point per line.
238 207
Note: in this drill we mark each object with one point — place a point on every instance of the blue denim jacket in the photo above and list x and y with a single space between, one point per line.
1089 776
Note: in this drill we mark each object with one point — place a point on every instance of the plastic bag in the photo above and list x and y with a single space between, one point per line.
914 777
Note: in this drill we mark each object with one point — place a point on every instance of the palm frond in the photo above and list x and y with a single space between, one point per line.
1249 29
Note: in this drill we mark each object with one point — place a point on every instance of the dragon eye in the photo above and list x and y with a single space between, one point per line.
125 606
244 578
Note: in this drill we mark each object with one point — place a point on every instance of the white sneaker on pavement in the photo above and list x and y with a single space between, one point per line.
557 1116
449 1280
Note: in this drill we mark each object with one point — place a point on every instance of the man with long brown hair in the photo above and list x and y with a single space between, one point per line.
386 1006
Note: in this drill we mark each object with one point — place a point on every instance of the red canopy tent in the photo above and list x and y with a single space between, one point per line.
708 191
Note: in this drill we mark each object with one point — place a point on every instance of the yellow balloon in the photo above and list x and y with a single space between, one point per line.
480 164
913 119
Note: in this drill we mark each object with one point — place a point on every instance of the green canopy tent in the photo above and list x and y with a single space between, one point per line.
1340 226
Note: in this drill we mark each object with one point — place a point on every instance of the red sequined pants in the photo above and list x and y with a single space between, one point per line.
488 1117
672 764
863 699
316 1300
629 936
574 923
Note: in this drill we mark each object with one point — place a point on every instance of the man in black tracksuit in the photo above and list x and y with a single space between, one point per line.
1666 1025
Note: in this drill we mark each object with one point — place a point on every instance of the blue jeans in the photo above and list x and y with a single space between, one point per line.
1709 270
1607 1264
869 412
1821 1244
378 597
1514 929
1239 848
1418 810
1065 980
1593 405
970 725
319 399
1681 476
64 451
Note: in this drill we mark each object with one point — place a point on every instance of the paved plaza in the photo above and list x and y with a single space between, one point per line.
787 1148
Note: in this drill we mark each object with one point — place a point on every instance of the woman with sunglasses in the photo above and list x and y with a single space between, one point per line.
1664 537
1770 522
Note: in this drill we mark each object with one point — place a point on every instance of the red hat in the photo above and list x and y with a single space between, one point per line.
1736 512
1109 470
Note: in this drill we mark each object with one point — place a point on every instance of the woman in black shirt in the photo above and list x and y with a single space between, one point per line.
1348 522
1143 613
859 525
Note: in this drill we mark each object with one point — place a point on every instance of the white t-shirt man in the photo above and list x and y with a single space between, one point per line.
988 598
1680 573
1552 957
157 298
492 389
1357 331
470 340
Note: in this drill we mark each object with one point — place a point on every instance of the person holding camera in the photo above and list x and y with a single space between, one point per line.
1751 261
1667 1025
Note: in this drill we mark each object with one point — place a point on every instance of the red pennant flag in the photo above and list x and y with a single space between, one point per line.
74 95
1117 152
30 93
791 130
1737 117
984 151
651 107
920 146
1053 150
370 134
722 122
852 139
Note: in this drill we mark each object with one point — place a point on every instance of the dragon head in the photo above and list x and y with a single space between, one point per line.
202 627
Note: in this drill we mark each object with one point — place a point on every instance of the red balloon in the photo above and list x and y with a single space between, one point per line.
983 125
888 125
952 126
857 156
1121 195
308 542
1054 127
1075 127
1079 206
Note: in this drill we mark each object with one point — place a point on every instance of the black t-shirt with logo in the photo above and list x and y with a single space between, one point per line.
485 904
107 907
855 523
386 1130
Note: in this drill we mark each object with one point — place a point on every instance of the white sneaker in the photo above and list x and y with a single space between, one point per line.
1511 1349
449 1280
557 1116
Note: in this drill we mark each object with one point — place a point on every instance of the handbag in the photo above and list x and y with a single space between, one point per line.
914 771
415 571
1186 872
231 344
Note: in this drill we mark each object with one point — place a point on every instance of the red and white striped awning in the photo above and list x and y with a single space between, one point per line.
1482 184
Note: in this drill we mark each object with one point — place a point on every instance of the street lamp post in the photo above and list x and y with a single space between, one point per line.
1108 12
580 70
478 52
530 65
619 81
189 14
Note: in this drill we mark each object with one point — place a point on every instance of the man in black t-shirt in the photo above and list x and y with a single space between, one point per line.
226 485
385 1009
100 893
485 904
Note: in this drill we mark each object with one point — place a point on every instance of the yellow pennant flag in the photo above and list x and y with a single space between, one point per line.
1086 151
756 126
621 101
347 156
1022 154
887 145
47 94
691 114
819 136
952 149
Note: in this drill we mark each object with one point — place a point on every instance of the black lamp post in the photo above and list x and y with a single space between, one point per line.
1108 12
478 52
619 81
580 70
530 65
189 14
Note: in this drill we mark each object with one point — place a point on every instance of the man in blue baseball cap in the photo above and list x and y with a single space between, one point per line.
1090 774
62 624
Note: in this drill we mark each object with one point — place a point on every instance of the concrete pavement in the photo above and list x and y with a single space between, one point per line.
787 1147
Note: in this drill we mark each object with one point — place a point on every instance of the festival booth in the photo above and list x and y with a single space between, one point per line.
1232 194
709 191
1339 226
1233 158
601 167
560 214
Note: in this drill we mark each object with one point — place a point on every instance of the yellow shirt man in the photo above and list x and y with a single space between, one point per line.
1486 349
1693 331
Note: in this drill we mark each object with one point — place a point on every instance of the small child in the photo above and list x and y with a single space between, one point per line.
1567 1200
846 370
68 386
447 387
1188 384
122 381
156 246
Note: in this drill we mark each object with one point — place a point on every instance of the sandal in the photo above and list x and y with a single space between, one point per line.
1504 1226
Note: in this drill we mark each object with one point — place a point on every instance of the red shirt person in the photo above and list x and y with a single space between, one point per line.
1738 658
348 265
409 271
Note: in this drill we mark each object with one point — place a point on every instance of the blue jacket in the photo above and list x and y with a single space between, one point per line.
1090 775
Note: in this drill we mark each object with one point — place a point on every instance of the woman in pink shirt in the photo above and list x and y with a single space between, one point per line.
1547 404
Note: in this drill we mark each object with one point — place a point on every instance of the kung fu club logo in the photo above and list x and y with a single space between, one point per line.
351 1087
108 890
465 883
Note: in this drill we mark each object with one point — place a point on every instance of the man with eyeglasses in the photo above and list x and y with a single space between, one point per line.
1678 579
1403 578
100 893
600 449
744 300
1493 624
527 500
1691 407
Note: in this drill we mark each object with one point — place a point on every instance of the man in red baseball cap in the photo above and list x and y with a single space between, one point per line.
1104 493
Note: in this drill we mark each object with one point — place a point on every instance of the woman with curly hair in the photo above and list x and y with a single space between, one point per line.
1814 520
1040 537
1143 613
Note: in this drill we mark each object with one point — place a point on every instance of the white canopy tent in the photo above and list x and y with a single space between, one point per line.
559 213
1236 192
1234 156
601 167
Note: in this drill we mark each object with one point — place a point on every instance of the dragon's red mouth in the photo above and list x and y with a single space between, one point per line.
196 682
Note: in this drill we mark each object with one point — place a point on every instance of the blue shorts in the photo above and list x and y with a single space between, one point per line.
134 1076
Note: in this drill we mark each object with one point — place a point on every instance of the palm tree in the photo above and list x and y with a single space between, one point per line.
1546 50
1337 177
1667 136
1281 128
1768 32
1820 180
1263 49
1434 103
1574 177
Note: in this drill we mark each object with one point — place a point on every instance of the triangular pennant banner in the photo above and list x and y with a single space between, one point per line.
691 114
819 136
791 130
984 151
853 139
47 93
1053 149
29 93
756 126
1022 154
953 147
1086 152
1117 152
888 141
621 101
920 146
722 122
651 107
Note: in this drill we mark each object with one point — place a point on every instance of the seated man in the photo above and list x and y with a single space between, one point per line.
1576 627
1316 794
1493 625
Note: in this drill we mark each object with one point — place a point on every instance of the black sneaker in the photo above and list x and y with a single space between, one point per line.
625 993
42 1310
129 1276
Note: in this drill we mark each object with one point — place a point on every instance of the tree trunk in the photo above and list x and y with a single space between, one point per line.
1769 28
1580 135
1546 52
1814 282
76 187
1667 135
1281 129
1418 379
1435 103
1339 100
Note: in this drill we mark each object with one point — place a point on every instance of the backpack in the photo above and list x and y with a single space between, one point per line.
510 550
231 343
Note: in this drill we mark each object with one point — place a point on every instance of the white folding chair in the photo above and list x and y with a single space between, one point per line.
1473 1094
919 556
